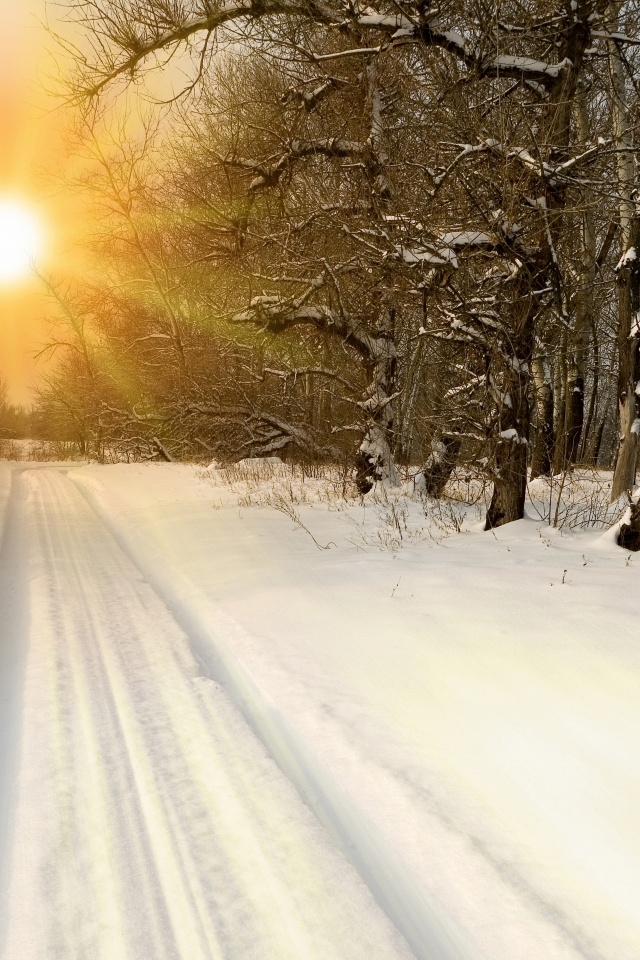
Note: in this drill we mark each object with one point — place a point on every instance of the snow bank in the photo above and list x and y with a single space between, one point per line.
465 711
5 491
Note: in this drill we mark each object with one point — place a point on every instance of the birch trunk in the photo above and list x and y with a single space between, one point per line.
375 457
541 457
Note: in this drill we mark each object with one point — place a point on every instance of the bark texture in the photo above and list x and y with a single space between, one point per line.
629 364
629 536
511 395
440 465
542 453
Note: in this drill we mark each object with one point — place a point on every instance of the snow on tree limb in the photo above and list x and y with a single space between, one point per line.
268 176
131 33
276 314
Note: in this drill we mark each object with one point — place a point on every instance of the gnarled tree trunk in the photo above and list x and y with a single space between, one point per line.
629 536
374 459
437 471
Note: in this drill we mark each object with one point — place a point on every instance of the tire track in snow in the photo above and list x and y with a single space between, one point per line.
14 620
149 822
414 912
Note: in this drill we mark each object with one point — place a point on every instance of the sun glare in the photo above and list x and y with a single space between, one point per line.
20 240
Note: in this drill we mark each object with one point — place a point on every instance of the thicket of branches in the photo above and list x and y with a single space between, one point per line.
15 421
384 233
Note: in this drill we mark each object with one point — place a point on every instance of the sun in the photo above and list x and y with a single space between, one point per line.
20 239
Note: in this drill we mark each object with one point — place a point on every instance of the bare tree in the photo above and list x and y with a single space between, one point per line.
416 184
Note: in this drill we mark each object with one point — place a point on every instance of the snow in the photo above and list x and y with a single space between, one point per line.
235 743
540 202
609 35
467 238
528 65
403 32
378 20
454 37
628 257
149 820
5 489
438 257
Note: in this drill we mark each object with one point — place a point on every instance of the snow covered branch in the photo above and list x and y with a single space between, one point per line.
268 175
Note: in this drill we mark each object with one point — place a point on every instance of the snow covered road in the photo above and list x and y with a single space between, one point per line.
148 822
470 705
218 740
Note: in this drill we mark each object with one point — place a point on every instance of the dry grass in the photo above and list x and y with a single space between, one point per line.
579 499
387 519
255 482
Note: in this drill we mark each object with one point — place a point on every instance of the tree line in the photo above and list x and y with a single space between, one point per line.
386 233
16 422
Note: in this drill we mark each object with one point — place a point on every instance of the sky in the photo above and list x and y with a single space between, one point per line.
34 160
31 152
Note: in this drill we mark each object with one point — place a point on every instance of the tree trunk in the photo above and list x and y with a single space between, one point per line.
629 364
574 412
407 403
438 469
510 460
579 346
628 277
323 406
510 485
564 102
375 456
597 444
559 406
374 459
543 443
593 400
629 536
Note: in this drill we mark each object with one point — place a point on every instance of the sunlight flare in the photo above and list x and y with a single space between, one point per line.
20 239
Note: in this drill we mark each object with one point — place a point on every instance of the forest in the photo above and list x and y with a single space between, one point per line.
395 236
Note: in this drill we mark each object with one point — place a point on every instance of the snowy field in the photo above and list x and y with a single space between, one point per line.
244 718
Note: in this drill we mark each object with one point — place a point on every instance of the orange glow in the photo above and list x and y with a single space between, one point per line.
35 162
31 149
